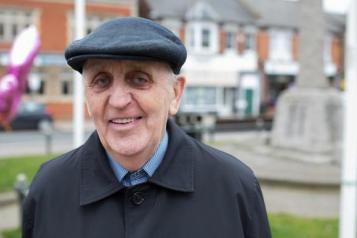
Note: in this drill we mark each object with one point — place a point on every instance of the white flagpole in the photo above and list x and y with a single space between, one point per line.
78 91
349 163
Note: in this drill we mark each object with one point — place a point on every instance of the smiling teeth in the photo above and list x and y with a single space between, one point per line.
123 120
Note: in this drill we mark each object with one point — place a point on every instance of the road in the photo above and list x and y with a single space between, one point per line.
33 142
17 143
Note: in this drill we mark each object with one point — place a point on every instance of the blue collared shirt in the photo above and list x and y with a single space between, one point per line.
142 175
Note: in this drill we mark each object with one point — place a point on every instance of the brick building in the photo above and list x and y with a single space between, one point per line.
50 80
241 54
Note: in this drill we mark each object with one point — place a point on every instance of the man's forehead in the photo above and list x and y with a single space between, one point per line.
101 64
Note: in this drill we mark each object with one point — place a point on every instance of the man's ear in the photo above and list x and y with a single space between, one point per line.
178 88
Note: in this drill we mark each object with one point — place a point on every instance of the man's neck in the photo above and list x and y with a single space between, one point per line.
137 161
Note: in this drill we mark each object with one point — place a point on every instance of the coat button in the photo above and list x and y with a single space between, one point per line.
137 198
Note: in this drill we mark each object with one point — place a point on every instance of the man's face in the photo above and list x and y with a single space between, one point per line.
130 102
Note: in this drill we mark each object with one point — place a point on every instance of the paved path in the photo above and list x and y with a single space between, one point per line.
9 211
9 217
289 185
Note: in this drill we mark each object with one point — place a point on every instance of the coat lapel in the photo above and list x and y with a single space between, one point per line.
97 178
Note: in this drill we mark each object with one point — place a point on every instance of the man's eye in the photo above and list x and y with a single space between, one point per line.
139 80
101 82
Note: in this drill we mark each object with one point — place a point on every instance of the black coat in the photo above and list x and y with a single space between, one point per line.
197 192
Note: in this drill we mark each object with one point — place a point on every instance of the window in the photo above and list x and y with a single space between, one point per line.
280 45
65 87
1 29
230 40
200 96
39 89
14 30
228 94
35 84
92 22
202 38
206 34
66 83
13 21
249 41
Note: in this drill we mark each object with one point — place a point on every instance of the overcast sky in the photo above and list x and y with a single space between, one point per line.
338 6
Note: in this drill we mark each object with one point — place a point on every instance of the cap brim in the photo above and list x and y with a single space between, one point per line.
77 62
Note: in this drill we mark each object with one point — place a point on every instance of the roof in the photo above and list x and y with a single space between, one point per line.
263 13
279 13
222 10
283 13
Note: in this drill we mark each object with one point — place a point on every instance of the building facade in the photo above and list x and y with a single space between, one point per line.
50 80
241 54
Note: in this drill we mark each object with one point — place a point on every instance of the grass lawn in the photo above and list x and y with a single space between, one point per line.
10 167
282 226
12 233
288 226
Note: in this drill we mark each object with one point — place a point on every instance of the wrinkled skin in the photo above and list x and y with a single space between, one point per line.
130 103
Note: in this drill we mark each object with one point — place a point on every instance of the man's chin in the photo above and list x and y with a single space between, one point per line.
127 150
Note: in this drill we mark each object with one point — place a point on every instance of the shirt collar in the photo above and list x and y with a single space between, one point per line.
176 171
149 167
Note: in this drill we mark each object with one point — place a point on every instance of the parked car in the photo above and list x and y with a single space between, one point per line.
31 116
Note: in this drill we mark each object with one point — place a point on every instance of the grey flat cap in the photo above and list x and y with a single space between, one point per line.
128 38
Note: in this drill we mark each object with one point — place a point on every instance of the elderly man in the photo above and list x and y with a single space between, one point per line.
139 175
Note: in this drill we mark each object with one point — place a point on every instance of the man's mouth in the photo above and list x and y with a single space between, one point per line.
124 121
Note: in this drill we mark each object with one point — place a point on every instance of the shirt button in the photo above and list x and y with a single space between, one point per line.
137 198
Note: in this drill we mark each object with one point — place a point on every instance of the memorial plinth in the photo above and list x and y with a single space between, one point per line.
308 118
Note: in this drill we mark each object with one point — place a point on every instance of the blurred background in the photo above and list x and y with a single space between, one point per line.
243 55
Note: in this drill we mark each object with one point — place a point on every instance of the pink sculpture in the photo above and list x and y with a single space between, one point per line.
13 84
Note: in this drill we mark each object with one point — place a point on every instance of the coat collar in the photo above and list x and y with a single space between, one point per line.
176 171
97 179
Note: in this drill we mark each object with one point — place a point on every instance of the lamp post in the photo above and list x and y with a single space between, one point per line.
349 163
78 94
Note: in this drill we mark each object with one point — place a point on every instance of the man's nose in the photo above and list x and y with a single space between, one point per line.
121 96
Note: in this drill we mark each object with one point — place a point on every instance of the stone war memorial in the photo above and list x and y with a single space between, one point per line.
308 120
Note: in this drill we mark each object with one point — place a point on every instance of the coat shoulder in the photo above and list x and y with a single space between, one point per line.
55 172
224 165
